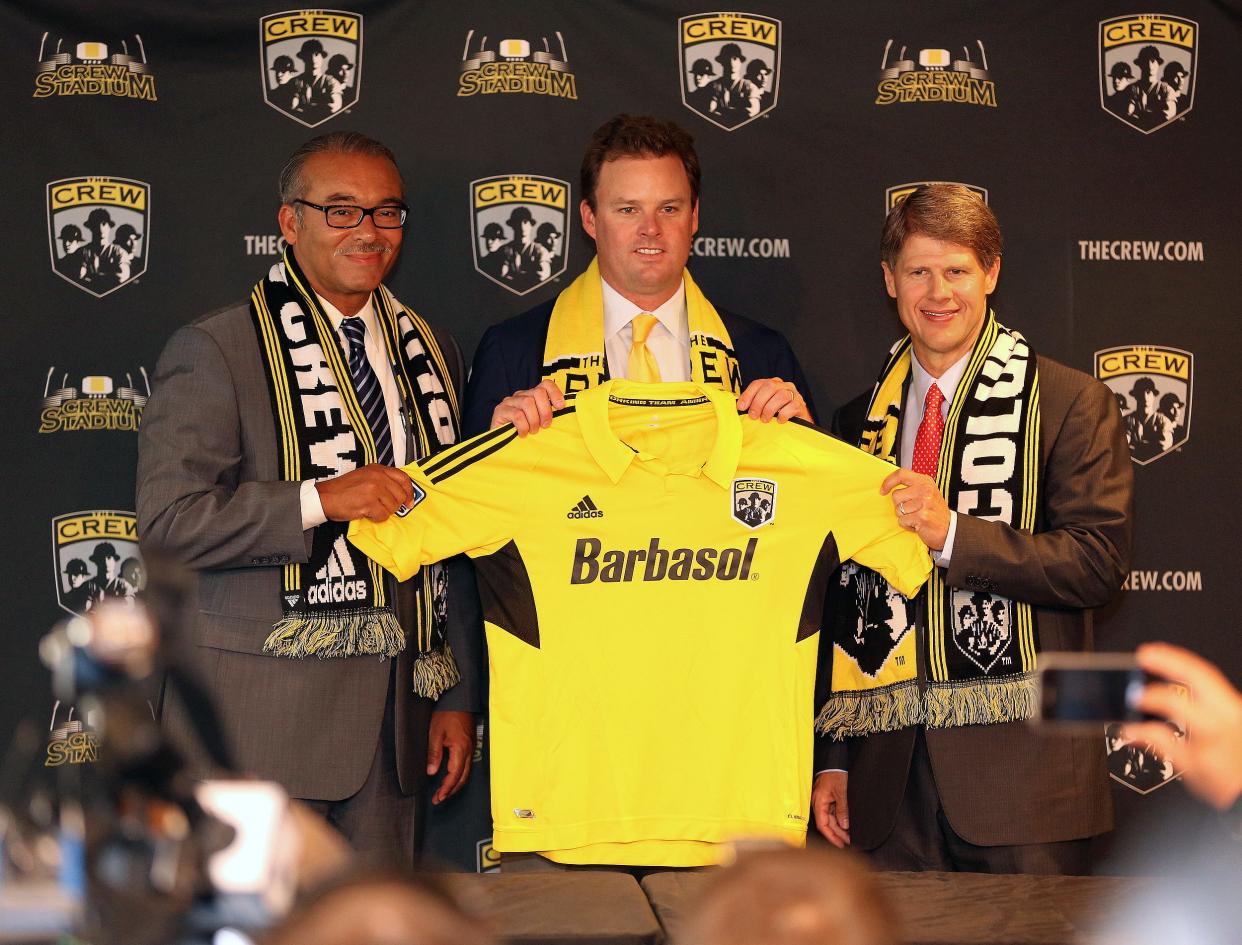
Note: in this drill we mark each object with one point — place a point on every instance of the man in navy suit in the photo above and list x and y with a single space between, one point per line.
640 187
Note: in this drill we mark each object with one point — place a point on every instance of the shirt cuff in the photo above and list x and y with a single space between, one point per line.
828 770
943 556
312 507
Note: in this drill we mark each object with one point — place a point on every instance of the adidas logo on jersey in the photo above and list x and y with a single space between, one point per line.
584 509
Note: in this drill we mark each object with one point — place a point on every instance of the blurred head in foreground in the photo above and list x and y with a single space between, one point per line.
380 908
792 897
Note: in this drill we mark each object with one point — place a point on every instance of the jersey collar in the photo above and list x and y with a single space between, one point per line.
614 457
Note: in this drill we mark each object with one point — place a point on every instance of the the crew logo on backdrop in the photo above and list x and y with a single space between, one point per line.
72 403
1147 68
895 195
70 739
518 223
95 554
99 231
1152 385
311 62
92 68
914 74
730 66
515 66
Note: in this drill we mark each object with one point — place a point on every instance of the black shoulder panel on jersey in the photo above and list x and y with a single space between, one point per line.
506 594
817 587
811 426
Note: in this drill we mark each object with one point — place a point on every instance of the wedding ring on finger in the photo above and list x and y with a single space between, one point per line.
901 508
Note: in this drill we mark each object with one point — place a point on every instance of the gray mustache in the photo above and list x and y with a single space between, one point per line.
357 248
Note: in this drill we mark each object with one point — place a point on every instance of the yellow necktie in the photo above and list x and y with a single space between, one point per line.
642 365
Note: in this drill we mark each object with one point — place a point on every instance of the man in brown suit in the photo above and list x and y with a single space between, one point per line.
985 797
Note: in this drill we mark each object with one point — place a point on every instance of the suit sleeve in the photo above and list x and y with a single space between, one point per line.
1081 555
488 385
463 502
191 504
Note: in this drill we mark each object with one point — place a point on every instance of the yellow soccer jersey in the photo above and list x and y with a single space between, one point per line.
652 568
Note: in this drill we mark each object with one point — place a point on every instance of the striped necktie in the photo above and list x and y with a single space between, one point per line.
367 386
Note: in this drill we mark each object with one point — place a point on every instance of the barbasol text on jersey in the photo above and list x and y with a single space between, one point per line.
592 563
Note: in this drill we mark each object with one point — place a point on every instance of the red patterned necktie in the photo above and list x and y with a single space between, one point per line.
931 431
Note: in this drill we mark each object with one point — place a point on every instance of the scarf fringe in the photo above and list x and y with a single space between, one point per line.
982 702
435 672
944 705
370 632
865 712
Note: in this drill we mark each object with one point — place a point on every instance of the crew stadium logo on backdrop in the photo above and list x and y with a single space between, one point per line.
311 62
895 195
92 68
95 554
1152 385
72 403
518 224
486 857
98 231
514 66
730 66
71 740
936 75
1147 68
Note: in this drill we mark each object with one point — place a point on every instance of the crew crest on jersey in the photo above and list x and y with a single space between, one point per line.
518 224
896 194
99 231
730 66
1153 386
95 556
754 501
311 62
1148 64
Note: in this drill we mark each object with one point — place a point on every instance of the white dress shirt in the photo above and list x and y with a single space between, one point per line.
669 341
377 355
912 412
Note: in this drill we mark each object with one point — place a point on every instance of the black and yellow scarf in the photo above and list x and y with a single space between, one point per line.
979 649
339 603
573 355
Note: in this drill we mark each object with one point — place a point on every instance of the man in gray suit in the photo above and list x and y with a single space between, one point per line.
349 735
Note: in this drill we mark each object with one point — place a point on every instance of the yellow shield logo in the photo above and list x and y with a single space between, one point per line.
1148 65
518 223
99 231
311 62
1152 385
730 66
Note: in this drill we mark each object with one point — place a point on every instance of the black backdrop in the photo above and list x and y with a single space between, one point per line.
1119 235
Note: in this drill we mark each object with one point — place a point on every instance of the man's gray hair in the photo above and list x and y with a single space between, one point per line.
293 184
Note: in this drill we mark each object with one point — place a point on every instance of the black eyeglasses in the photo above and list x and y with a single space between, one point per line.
344 216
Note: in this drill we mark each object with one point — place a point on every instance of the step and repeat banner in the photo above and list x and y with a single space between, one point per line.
142 144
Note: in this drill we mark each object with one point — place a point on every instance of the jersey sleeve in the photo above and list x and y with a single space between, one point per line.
862 520
463 502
